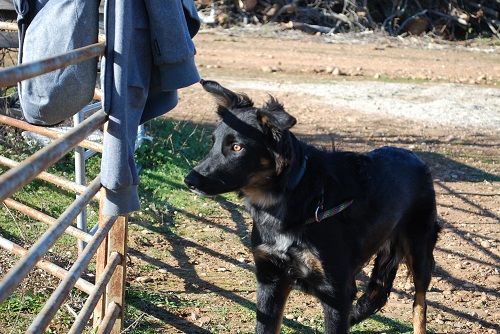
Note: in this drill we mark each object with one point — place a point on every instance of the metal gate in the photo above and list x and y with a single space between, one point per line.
108 242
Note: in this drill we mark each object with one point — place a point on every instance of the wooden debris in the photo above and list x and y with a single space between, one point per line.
447 18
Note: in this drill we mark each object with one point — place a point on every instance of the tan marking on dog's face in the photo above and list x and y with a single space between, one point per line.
264 119
313 262
419 313
264 162
257 188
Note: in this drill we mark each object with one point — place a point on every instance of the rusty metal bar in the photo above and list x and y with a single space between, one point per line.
108 322
92 107
8 26
29 168
12 75
81 219
93 229
51 178
97 94
48 266
42 217
100 264
50 308
95 295
47 132
22 268
117 242
54 179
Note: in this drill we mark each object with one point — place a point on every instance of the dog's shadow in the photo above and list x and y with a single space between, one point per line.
449 170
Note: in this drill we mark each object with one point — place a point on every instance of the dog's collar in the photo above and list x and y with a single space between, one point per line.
328 213
296 179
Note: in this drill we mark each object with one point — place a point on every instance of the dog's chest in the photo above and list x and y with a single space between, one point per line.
284 253
300 263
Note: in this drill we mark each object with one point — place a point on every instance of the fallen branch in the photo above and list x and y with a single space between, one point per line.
309 28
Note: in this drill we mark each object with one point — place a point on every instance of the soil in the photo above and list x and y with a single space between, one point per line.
206 271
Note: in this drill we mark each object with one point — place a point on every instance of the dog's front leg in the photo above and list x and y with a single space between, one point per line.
271 299
336 310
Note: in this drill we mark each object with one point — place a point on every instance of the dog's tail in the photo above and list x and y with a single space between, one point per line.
380 285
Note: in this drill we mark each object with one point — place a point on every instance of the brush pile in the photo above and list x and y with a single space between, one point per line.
450 19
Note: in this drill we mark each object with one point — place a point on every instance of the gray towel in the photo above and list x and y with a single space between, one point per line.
50 28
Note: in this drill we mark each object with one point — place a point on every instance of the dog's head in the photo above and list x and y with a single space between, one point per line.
250 145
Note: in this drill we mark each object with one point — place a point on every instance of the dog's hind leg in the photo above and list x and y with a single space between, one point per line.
380 284
421 264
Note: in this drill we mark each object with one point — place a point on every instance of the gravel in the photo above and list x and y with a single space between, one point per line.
452 105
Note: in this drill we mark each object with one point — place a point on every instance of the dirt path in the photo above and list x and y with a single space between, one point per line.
432 104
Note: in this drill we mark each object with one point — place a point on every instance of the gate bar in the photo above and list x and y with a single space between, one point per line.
100 287
109 318
12 75
52 305
51 178
101 258
42 217
22 268
17 177
48 266
47 132
9 26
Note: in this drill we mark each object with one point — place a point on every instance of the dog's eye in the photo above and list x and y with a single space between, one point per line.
236 147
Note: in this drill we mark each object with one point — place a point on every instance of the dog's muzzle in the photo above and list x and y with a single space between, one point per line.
193 181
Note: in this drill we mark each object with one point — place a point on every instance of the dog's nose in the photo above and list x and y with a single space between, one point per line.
192 180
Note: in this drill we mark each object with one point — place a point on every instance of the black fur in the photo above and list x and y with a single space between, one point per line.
393 214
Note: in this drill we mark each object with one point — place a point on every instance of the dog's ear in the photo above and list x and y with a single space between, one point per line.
226 98
274 116
275 121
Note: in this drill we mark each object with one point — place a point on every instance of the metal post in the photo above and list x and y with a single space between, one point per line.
101 263
81 219
117 242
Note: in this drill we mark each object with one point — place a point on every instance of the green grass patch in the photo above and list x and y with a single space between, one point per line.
168 300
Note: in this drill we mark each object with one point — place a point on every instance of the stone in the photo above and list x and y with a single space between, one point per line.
485 244
204 320
144 279
266 69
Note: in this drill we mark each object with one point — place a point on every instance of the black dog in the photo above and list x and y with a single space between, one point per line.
318 217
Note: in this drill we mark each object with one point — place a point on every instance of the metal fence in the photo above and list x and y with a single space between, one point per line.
108 242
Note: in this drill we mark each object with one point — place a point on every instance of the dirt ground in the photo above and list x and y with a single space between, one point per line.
464 294
201 280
